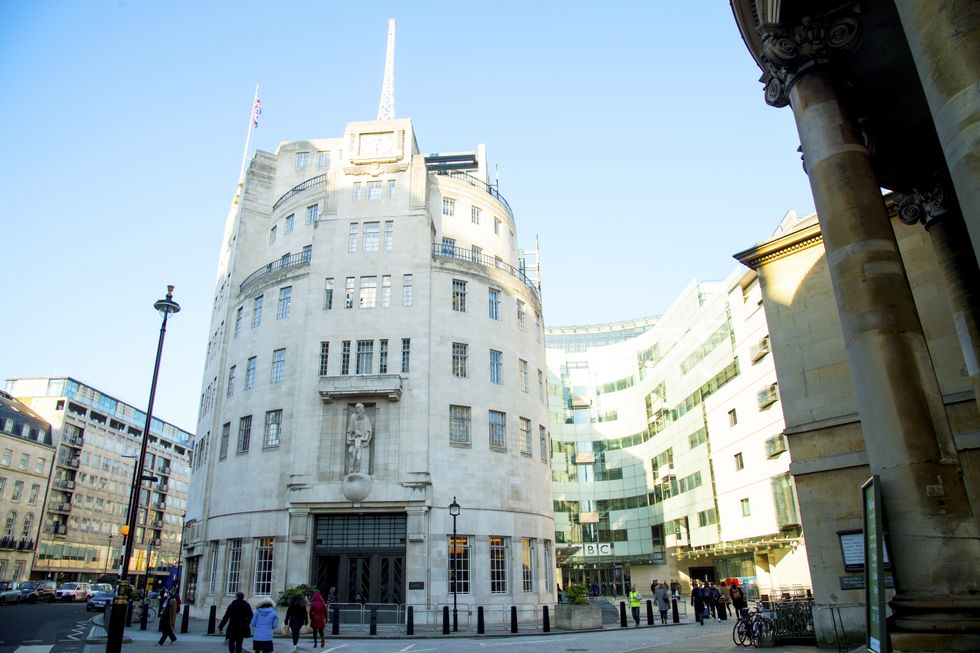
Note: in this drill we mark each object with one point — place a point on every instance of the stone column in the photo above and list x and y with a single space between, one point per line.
931 532
944 38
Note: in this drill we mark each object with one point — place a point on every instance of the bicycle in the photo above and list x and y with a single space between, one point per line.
753 628
151 613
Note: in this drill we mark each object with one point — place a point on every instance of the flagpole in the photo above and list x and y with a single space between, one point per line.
248 136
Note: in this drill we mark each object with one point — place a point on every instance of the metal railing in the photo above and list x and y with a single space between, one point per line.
271 268
475 182
299 188
462 254
793 617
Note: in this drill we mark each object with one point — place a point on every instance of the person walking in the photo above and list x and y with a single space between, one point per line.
712 600
318 618
331 601
663 602
264 623
296 617
738 598
635 606
238 615
697 600
168 617
724 602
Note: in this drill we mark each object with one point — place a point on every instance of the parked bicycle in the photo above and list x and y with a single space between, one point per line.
151 612
754 628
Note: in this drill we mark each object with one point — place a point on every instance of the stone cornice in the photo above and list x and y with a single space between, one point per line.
778 248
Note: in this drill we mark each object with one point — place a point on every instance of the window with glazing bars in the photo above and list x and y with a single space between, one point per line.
406 355
368 292
231 380
225 436
278 365
382 356
244 433
365 356
448 207
389 235
496 367
494 304
349 293
328 294
459 564
373 190
263 566
371 232
499 555
459 295
257 311
285 299
233 577
273 427
498 429
525 425
213 569
312 213
407 290
522 374
352 238
459 424
345 357
385 291
460 355
543 443
324 357
239 319
529 562
521 315
250 373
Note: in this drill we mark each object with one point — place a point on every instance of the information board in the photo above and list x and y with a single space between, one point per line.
874 569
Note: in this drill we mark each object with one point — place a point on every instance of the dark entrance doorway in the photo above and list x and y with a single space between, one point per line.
361 554
705 574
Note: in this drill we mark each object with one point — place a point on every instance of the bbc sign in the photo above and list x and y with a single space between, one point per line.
598 549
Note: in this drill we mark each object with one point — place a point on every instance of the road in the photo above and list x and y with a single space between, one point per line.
43 628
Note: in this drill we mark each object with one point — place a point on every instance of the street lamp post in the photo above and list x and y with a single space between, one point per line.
108 555
167 307
454 511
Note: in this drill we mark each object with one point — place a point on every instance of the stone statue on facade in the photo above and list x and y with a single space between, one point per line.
359 434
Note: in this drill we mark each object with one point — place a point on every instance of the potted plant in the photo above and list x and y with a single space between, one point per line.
577 613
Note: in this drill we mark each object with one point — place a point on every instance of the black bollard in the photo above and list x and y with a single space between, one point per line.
622 614
513 618
143 615
545 620
129 614
212 619
185 618
335 626
445 620
374 621
481 626
649 612
673 607
410 621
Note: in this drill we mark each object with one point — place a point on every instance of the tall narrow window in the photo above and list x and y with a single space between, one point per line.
459 295
389 235
746 508
323 159
312 213
233 577
540 385
278 365
365 356
522 374
548 566
543 443
499 555
383 356
225 436
529 562
231 380
239 319
302 160
448 207
273 428
525 425
373 190
496 226
537 326
406 355
349 293
244 433
459 564
356 195
475 215
213 576
460 356
289 224
407 290
250 374
352 238
391 189
371 234
448 246
498 429
385 291
324 357
285 300
459 424
257 311
496 367
328 294
369 292
345 357
272 235
263 567
476 253
493 306
521 315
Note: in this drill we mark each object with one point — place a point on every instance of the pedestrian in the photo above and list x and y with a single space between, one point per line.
559 592
168 617
663 602
296 617
738 598
635 606
331 600
264 623
237 617
318 618
675 589
712 600
724 602
697 600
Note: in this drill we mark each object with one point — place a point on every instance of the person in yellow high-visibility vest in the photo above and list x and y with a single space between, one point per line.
635 606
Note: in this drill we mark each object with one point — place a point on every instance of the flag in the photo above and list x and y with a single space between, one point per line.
256 111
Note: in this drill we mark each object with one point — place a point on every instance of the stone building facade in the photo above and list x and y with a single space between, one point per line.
376 352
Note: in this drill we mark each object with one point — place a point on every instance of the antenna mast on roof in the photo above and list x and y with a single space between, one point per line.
386 108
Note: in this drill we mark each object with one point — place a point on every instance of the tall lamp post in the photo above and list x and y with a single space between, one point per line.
454 511
117 621
108 555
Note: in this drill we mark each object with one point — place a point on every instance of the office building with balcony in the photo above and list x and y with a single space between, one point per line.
97 441
376 352
26 453
669 458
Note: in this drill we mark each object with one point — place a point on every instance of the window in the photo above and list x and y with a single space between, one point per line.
407 290
548 567
537 326
365 356
448 207
371 233
383 356
707 517
272 235
18 490
39 466
312 213
25 458
244 433
328 294
543 443
232 578
231 380
7 455
529 562
496 226
521 315
391 189
498 429
273 427
406 355
389 235
302 160
459 564
739 462
540 385
345 357
459 424
496 367
28 526
225 436
448 246
324 357
369 292
357 191
373 190
525 425
476 253
499 555
460 357
212 581
746 509
352 238
285 299
459 295
522 374
278 365
494 304
250 373
475 215
323 159
239 319
257 311
732 417
349 293
8 525
35 491
289 224
385 291
263 566
3 485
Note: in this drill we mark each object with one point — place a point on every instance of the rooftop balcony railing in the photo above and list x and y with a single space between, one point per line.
269 269
313 182
462 254
473 181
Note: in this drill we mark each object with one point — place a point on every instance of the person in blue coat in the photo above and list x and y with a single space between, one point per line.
264 623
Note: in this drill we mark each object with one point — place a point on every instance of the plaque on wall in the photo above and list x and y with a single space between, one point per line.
416 585
852 550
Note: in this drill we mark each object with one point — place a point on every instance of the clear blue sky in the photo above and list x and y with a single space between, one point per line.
632 137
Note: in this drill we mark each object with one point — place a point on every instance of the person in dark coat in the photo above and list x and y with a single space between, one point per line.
697 600
238 615
168 617
296 617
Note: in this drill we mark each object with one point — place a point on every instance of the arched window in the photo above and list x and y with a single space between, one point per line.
8 526
28 526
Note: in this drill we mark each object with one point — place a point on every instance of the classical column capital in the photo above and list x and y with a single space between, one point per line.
788 51
924 205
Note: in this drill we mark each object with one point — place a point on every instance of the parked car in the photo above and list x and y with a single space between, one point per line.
9 591
98 601
73 591
102 587
38 590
